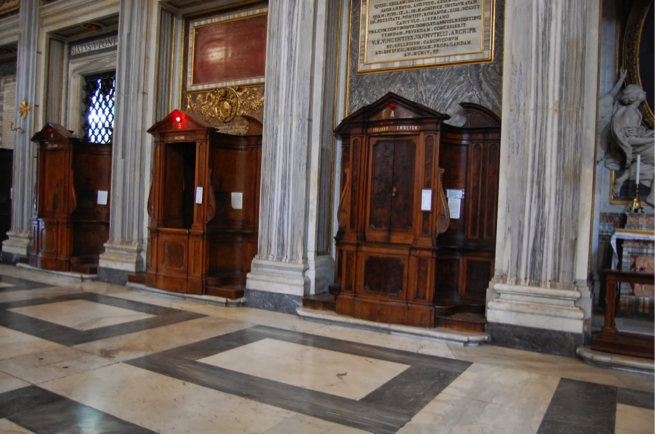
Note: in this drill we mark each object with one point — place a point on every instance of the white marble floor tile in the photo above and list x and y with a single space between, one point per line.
14 344
141 343
10 383
6 285
81 314
53 364
565 367
7 427
304 424
449 413
164 404
426 347
317 369
21 295
632 419
487 383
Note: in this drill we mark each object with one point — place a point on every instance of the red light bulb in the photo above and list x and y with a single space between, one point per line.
178 119
392 106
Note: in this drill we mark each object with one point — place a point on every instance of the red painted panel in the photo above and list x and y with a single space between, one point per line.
227 51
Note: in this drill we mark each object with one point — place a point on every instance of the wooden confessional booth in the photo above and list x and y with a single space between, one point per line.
204 207
70 224
6 171
402 255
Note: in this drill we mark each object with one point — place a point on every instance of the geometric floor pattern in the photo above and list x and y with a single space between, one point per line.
97 358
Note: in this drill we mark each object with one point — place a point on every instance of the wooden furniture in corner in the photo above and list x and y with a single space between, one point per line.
70 224
6 171
610 339
391 210
470 157
204 207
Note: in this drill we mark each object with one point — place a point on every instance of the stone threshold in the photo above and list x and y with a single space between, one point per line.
212 300
74 276
615 361
437 334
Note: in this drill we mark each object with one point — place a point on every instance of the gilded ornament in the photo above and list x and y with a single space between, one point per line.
223 104
24 108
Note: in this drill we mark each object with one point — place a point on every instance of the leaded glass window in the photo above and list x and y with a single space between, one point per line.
99 101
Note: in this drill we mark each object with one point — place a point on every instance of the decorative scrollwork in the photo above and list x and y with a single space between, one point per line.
223 104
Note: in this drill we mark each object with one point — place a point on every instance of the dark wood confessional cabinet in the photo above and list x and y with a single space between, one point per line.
70 224
402 255
391 210
204 207
6 170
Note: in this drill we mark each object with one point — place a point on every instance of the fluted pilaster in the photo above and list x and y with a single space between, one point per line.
132 145
293 155
24 177
547 164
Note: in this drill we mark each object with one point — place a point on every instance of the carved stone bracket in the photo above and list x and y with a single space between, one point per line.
222 105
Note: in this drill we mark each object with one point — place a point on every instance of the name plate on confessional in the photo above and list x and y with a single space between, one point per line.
398 34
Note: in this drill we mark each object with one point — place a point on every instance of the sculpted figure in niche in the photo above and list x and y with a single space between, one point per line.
623 137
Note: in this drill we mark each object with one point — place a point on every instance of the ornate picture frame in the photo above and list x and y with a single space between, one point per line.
634 58
227 50
408 35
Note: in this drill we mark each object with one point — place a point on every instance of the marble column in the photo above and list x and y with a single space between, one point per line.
132 146
299 101
19 243
539 298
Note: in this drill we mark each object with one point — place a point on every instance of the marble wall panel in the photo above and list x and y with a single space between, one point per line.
441 88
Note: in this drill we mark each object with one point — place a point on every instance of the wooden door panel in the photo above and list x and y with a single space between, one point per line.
402 192
382 162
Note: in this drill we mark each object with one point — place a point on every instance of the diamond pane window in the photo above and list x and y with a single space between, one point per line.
99 100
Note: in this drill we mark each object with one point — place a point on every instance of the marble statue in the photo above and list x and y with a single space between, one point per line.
622 137
605 111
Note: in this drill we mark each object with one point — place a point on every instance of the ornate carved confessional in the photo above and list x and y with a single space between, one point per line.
6 170
70 224
398 159
391 210
470 156
204 205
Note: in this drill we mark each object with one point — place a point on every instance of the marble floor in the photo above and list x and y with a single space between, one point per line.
90 357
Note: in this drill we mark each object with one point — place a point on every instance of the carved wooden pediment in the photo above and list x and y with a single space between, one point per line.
178 120
389 107
53 132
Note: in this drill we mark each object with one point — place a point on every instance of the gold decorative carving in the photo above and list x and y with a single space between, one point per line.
631 43
24 108
224 104
8 6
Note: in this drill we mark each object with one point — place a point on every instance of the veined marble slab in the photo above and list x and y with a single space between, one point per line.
323 370
14 344
80 314
632 419
9 383
165 404
8 427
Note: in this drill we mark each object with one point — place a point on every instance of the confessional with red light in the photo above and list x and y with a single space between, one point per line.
204 207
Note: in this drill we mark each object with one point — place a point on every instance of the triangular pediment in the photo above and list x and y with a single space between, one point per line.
53 131
392 107
178 120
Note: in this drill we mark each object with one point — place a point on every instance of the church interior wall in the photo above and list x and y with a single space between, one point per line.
441 88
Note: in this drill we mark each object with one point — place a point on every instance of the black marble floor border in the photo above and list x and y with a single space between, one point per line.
42 411
640 399
580 407
21 284
384 410
70 337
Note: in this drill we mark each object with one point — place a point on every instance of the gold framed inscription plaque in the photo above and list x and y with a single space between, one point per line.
405 34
